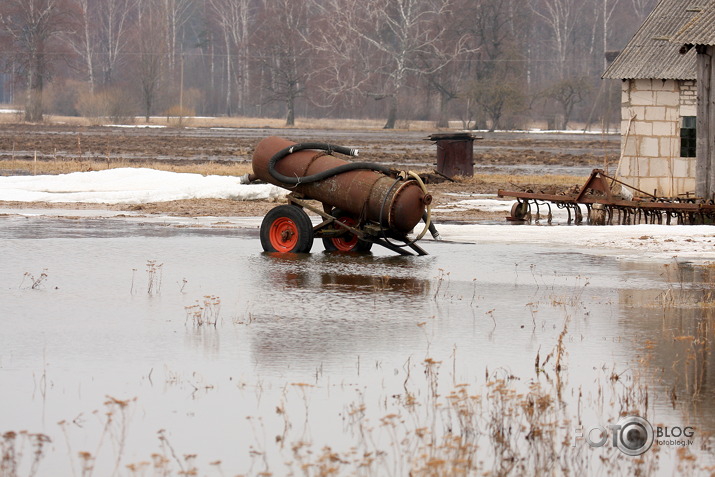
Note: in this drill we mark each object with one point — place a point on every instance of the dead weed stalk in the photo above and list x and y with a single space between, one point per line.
204 312
13 445
35 283
154 272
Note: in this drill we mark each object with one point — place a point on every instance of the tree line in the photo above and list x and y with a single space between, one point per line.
487 63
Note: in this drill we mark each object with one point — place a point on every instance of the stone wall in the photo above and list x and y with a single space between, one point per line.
650 136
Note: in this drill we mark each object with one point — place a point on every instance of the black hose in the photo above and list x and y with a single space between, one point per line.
321 146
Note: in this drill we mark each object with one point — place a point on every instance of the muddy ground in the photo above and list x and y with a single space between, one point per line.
502 160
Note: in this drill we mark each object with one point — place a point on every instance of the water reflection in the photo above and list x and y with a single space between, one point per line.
204 338
480 312
343 272
675 326
336 305
22 227
383 283
346 272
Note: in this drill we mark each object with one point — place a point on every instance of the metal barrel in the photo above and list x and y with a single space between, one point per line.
369 194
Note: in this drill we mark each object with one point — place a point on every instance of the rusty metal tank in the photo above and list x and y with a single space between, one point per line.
400 204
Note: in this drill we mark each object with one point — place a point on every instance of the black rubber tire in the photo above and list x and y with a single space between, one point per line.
360 246
286 229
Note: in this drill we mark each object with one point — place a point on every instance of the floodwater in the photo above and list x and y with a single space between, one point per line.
153 346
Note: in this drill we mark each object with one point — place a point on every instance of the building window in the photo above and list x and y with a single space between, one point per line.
687 137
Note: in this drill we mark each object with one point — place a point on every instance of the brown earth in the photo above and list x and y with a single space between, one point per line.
58 148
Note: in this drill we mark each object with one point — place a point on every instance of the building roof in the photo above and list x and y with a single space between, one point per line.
700 30
653 52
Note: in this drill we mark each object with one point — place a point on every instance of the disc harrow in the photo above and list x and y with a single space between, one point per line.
604 207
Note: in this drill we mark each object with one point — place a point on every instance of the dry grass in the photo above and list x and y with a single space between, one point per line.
238 122
519 182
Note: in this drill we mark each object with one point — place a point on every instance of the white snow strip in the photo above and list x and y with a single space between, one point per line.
647 241
131 186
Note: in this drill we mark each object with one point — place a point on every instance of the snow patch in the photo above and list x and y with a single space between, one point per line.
131 186
641 241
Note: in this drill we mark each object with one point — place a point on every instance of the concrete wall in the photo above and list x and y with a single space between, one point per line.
651 112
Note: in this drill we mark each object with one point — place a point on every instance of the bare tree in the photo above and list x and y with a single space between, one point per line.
150 53
346 61
103 37
567 94
338 55
642 8
399 35
451 63
233 18
608 8
176 13
36 30
448 84
560 17
115 18
83 43
499 86
283 52
499 90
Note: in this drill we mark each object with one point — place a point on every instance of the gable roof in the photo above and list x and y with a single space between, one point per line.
700 30
652 53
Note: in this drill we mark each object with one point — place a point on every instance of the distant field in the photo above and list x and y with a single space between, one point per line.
8 114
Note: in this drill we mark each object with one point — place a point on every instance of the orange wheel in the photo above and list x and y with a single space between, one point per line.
283 234
346 242
287 229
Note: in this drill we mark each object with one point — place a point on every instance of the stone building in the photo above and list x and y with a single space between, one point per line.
659 103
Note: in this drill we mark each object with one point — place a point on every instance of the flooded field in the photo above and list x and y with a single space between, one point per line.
159 347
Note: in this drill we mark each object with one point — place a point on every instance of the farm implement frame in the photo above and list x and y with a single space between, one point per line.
604 207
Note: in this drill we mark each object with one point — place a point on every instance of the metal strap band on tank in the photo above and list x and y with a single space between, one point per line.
382 208
428 203
366 203
391 211
317 156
